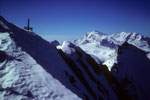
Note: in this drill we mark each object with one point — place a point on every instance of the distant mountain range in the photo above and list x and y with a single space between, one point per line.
96 67
103 47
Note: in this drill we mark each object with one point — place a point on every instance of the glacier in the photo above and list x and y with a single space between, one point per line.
103 47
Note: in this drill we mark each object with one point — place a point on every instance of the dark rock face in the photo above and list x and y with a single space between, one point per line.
132 71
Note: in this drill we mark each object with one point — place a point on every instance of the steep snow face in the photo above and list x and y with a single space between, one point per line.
104 46
99 46
133 64
44 53
93 83
97 82
21 77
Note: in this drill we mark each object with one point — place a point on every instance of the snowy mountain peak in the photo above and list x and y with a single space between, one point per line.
94 34
124 36
89 37
103 46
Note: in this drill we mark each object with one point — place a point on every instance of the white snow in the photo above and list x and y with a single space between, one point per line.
22 74
65 47
70 50
4 41
103 46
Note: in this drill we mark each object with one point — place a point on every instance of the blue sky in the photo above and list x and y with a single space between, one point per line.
70 19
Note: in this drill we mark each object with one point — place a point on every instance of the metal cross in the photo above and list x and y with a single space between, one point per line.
28 27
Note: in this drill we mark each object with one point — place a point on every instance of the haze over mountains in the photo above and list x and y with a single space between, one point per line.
95 67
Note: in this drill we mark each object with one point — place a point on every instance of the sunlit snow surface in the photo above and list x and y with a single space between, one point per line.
22 78
71 51
103 47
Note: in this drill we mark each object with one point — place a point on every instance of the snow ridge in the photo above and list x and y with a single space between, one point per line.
31 68
22 75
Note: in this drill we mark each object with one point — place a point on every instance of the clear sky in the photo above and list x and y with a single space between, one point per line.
70 19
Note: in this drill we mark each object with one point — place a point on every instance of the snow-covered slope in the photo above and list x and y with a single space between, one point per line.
102 83
58 75
22 78
31 68
94 84
103 47
23 57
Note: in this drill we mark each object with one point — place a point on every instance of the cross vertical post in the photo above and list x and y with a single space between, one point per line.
28 28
